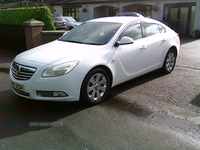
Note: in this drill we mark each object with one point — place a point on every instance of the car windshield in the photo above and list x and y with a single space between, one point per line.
96 33
69 19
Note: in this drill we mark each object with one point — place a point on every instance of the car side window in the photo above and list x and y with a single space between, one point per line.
134 31
152 29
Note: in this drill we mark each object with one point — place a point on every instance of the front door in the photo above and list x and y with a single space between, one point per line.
132 57
180 16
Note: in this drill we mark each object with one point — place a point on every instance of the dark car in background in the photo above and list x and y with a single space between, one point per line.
134 14
64 22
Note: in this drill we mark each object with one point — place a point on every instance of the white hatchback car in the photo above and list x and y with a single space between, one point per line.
94 57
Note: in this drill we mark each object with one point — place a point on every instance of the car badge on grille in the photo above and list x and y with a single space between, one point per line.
18 68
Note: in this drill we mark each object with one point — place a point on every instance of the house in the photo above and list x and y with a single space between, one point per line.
182 15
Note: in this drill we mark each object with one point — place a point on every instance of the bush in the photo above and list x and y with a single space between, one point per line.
196 33
16 16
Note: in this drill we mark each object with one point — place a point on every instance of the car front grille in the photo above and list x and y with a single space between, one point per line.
22 72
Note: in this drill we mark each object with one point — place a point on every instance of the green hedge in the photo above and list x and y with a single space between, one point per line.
16 16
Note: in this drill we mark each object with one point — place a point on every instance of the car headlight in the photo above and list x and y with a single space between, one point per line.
60 69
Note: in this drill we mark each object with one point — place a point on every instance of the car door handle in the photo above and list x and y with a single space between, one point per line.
143 47
164 39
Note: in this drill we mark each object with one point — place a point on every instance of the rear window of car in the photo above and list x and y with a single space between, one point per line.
153 29
69 19
57 19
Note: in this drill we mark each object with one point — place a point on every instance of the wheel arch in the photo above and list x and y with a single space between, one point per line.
172 47
175 49
163 68
104 68
71 27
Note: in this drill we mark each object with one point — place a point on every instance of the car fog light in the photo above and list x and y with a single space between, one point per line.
51 94
59 94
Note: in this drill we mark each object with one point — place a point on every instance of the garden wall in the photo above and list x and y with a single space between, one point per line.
31 34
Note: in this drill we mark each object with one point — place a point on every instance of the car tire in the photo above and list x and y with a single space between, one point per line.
71 28
169 62
95 87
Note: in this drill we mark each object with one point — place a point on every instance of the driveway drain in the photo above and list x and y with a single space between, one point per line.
158 118
172 122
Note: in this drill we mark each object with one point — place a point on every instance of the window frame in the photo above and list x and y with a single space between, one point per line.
163 28
73 11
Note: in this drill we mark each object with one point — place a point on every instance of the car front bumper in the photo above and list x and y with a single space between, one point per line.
62 88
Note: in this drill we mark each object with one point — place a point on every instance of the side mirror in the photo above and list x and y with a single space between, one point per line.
124 41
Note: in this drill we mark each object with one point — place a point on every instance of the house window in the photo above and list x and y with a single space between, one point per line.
71 11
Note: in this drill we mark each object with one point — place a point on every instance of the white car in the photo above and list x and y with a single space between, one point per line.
94 57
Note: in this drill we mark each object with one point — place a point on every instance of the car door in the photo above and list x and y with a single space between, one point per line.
132 57
156 39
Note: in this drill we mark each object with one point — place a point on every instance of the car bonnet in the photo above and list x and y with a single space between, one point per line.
59 51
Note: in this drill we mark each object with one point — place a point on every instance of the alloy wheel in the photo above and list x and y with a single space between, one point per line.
170 61
96 87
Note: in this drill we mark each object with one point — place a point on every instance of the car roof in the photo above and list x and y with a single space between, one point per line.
123 19
115 19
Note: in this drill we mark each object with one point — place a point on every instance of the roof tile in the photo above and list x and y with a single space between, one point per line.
87 1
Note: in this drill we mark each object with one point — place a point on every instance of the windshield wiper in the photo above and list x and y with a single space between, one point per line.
72 41
80 42
94 43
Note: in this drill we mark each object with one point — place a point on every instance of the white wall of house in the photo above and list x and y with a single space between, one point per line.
84 16
58 9
90 13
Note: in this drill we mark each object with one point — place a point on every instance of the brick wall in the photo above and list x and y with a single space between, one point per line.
35 35
49 36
